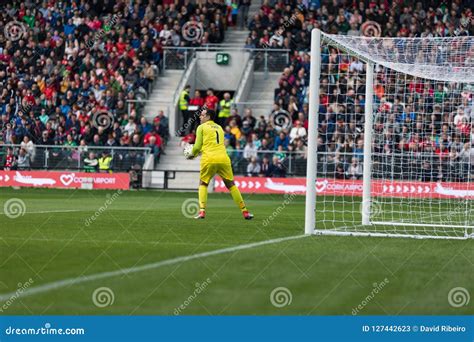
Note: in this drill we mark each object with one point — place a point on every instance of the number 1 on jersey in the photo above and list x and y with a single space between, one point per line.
217 136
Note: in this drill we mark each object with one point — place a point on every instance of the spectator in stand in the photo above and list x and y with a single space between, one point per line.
250 119
197 103
10 162
29 147
340 173
235 130
105 162
224 109
250 151
234 116
297 132
91 163
144 126
189 138
211 100
130 127
155 148
282 140
301 149
253 168
184 100
163 126
265 168
354 170
23 161
243 12
426 172
277 169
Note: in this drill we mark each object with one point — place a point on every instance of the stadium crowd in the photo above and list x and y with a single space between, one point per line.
69 68
422 129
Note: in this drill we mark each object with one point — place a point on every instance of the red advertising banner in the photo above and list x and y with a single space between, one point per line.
65 179
338 187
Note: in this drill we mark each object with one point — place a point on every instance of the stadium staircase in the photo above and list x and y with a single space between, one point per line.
235 37
162 96
262 92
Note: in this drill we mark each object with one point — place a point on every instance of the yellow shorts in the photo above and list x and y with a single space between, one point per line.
209 170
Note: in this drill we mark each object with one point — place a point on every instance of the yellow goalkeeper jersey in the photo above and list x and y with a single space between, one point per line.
210 141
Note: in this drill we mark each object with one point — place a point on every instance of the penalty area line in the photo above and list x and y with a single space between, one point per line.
84 279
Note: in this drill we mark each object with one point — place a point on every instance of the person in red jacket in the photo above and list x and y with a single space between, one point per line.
197 100
211 100
152 133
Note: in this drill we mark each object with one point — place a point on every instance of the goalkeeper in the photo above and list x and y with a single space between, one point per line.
214 160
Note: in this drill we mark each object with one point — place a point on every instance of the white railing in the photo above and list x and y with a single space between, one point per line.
60 157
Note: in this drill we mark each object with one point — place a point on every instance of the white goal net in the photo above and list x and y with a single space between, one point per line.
394 137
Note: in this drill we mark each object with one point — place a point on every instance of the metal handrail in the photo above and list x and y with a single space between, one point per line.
181 83
140 100
128 148
205 48
403 153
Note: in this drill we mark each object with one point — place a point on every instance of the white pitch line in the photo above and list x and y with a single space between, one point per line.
49 211
83 279
113 241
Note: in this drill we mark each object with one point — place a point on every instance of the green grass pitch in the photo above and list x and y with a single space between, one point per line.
52 242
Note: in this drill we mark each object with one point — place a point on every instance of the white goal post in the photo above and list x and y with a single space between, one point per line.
391 137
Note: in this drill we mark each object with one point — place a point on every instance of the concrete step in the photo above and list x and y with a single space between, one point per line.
185 181
174 159
258 92
236 37
262 93
163 93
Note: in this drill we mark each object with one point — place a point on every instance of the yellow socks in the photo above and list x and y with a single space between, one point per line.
235 192
203 197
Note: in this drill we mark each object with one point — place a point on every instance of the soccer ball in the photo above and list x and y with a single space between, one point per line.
188 151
